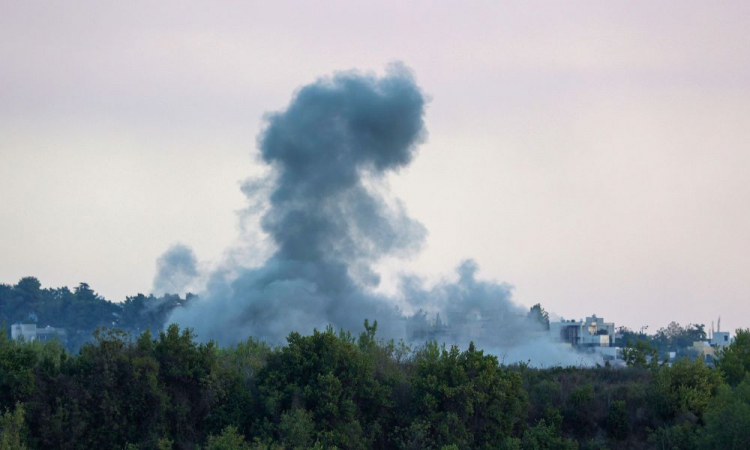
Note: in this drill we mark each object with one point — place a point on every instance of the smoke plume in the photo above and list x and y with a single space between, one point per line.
328 152
175 270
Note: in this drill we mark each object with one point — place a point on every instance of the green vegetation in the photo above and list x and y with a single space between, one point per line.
335 390
81 311
734 360
123 387
11 426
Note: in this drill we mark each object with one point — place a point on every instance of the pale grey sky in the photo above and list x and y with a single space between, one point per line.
593 154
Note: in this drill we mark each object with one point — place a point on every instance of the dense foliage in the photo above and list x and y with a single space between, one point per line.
334 390
116 385
81 311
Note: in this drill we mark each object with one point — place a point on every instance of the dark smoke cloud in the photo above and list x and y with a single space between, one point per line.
336 139
328 226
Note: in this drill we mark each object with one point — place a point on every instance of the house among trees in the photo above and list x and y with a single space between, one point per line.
30 332
720 339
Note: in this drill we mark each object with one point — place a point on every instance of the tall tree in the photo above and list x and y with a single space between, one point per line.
538 314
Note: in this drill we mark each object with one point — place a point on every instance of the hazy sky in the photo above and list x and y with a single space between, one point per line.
593 154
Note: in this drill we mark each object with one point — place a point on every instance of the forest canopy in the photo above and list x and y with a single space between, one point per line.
136 384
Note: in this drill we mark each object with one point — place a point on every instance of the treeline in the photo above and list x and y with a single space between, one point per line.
80 311
672 338
335 390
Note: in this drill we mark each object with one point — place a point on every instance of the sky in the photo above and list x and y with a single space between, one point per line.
594 155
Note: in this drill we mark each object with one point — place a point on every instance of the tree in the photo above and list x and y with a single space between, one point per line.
187 370
334 380
677 338
229 439
640 354
106 397
684 388
465 398
16 371
30 287
538 314
546 436
142 312
579 409
728 418
734 360
11 428
84 293
617 420
296 429
678 436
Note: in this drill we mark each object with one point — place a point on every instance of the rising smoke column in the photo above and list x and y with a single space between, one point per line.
328 227
175 270
338 138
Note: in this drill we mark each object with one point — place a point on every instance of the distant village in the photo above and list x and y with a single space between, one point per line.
591 335
70 317
594 335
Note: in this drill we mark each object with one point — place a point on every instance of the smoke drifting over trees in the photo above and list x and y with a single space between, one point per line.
339 137
175 270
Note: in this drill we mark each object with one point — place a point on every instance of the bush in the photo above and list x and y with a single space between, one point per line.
11 429
229 439
728 418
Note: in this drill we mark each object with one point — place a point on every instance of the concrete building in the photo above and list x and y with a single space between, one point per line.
592 332
720 339
25 331
30 333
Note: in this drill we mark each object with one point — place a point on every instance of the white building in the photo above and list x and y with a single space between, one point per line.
30 332
720 339
592 332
